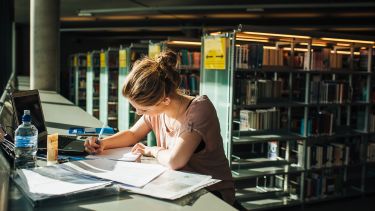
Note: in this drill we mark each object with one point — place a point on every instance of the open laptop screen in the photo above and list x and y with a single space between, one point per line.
30 100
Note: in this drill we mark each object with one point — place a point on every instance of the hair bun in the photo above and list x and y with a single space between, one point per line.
167 60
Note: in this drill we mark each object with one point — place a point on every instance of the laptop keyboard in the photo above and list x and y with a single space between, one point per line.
65 140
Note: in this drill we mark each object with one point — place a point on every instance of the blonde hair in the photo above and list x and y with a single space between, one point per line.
150 80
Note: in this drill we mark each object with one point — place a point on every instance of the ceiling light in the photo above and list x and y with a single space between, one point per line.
176 42
345 52
252 40
84 14
254 10
278 35
314 44
347 40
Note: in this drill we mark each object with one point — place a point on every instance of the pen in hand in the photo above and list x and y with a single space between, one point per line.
100 135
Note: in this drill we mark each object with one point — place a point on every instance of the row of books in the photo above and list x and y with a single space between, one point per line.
372 123
255 55
322 185
326 155
322 123
188 59
190 83
363 59
330 92
260 119
371 152
319 59
249 56
248 92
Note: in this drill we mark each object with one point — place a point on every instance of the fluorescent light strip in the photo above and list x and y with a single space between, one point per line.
184 42
251 40
343 44
345 52
296 49
314 44
215 33
269 47
346 40
278 35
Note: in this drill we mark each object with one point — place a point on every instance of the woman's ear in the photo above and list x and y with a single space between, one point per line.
166 101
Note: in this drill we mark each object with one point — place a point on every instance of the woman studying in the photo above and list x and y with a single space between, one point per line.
187 128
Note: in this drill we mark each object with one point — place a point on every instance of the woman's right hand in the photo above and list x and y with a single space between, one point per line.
93 145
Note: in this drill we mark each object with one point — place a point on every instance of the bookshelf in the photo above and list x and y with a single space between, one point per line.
188 60
73 60
127 56
93 83
108 89
295 113
80 64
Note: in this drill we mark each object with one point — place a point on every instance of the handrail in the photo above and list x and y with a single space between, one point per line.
8 87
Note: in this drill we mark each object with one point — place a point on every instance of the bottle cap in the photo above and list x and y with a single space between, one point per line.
26 116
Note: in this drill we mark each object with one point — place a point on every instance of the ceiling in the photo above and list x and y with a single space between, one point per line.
135 18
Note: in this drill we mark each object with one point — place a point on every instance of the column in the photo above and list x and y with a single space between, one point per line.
45 44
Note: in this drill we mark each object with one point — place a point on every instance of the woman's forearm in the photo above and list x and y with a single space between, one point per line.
121 139
164 157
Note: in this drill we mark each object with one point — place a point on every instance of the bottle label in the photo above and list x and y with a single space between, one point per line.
25 141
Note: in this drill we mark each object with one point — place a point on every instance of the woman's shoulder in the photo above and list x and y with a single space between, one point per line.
201 104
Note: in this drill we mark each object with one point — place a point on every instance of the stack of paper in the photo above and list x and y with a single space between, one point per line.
129 173
174 184
53 181
72 177
121 154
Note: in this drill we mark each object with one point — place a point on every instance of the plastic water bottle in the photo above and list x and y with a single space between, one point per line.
26 143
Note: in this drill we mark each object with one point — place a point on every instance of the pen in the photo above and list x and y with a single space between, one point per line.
100 134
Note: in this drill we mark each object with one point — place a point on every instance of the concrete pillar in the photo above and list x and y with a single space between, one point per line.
45 44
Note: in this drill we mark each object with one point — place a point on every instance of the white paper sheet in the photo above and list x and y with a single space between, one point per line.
45 182
174 184
129 173
122 154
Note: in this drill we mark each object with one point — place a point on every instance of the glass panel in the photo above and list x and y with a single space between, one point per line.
216 85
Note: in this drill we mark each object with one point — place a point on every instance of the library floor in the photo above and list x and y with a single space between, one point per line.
364 203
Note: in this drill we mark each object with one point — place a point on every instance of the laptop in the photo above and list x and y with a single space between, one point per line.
30 100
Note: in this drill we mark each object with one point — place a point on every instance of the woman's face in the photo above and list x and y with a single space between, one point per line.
150 110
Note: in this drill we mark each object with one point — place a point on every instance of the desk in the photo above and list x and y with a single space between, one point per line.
60 112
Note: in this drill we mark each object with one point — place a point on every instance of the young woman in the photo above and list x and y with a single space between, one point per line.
187 128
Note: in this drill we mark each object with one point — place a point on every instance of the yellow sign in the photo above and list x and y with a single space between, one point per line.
88 60
122 58
102 60
75 61
215 53
153 50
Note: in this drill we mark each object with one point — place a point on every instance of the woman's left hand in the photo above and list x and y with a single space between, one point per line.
143 149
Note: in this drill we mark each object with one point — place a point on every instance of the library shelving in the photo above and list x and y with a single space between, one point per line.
73 60
93 83
108 89
295 113
127 56
80 64
188 60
